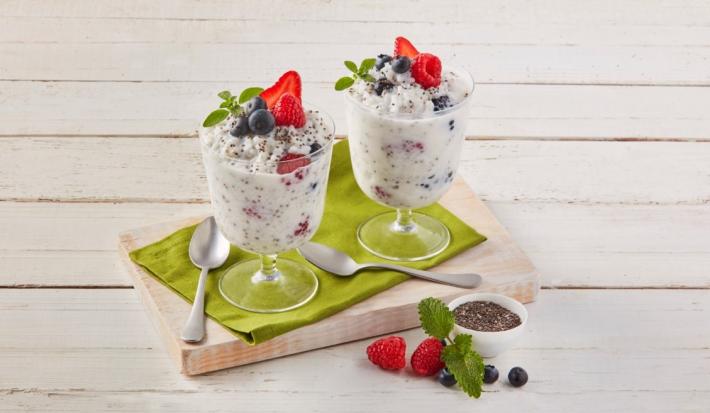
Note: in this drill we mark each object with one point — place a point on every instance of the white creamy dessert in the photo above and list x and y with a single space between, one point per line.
262 203
405 141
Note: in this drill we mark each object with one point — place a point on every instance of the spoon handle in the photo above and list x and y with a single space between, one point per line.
194 329
469 280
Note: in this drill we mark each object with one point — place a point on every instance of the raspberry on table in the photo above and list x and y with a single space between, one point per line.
388 353
426 359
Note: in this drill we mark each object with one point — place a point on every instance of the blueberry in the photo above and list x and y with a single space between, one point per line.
490 374
315 147
443 342
381 59
382 85
241 127
401 64
261 122
446 378
441 103
257 102
517 376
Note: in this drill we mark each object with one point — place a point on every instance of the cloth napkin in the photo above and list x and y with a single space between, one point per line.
346 207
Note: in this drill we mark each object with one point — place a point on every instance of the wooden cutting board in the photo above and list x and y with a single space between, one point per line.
503 265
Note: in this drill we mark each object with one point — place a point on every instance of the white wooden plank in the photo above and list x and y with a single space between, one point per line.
500 111
151 169
650 12
608 348
571 245
557 64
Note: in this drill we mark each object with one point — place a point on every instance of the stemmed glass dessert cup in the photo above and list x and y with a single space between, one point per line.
267 213
405 162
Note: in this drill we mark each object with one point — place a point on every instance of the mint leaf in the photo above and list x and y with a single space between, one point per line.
249 93
215 117
437 320
465 364
351 66
225 104
366 65
225 94
368 78
344 83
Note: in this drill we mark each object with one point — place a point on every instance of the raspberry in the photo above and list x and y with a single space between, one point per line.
288 111
388 353
426 359
290 162
426 70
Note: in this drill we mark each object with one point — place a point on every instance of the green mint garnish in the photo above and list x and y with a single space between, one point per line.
230 104
357 73
460 358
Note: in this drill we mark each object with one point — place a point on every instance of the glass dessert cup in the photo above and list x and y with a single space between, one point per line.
267 214
405 162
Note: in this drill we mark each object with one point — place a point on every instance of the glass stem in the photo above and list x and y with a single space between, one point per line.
404 222
268 271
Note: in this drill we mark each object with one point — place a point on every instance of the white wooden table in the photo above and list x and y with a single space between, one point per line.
590 141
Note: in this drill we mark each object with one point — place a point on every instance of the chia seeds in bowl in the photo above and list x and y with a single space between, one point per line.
485 316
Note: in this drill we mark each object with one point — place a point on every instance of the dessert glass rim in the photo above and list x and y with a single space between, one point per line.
413 117
331 140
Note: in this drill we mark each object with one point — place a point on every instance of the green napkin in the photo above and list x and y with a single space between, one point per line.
345 208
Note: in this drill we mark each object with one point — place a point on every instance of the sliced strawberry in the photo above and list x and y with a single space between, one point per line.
288 111
403 47
426 70
289 82
290 162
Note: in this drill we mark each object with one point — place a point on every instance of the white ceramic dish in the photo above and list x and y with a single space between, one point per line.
489 343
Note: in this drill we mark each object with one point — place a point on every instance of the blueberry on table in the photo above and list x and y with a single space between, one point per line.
381 59
446 378
240 128
257 102
517 376
401 64
261 122
490 374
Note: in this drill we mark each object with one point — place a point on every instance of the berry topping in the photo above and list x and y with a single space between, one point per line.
490 374
426 70
289 82
241 127
315 147
382 85
401 64
403 47
381 59
288 111
290 162
388 353
426 359
261 122
441 103
517 376
257 102
446 378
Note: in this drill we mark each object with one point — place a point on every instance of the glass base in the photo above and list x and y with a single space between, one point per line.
424 237
290 286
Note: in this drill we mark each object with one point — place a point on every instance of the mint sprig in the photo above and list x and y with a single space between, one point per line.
361 72
462 361
230 104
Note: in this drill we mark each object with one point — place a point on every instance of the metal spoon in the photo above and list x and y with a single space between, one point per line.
208 249
341 264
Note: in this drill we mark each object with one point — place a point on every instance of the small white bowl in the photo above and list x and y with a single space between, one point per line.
492 343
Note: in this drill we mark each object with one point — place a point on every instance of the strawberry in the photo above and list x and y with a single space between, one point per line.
290 162
426 359
288 82
403 47
426 70
288 111
388 353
